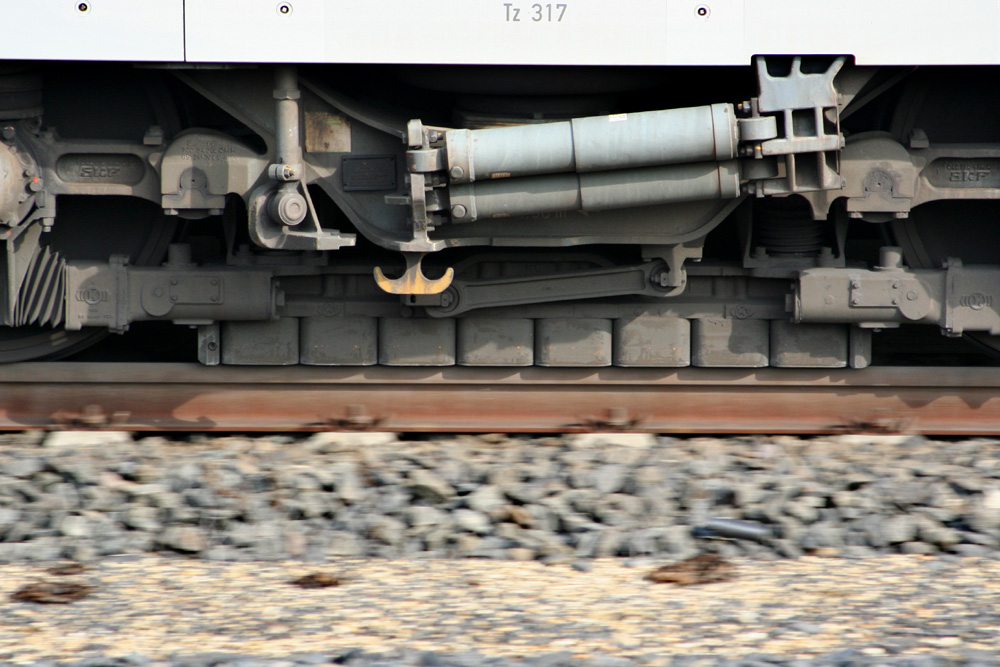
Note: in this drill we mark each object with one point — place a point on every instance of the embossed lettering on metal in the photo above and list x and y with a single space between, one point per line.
964 173
103 169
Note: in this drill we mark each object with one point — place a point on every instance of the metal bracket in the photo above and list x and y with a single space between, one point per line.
675 276
413 280
269 233
810 141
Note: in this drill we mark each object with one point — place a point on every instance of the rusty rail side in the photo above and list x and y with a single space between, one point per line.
173 397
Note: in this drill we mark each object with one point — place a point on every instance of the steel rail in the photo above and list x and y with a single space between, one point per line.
188 397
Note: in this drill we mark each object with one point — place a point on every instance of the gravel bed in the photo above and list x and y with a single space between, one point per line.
512 508
173 611
82 495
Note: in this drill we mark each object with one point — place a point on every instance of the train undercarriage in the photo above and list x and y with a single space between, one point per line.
404 215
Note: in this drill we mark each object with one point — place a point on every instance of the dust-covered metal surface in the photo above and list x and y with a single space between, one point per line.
188 397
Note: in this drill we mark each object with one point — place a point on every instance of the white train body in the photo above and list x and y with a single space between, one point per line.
502 32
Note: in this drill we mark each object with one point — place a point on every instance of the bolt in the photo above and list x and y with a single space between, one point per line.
855 284
213 346
911 296
855 301
457 172
459 211
895 302
173 281
895 284
173 298
214 281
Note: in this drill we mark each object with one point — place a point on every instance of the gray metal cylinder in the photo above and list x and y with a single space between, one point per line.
288 150
595 192
601 143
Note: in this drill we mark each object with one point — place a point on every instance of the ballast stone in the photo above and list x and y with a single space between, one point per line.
339 441
64 439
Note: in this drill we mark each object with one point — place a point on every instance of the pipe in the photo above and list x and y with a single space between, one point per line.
595 192
288 149
600 143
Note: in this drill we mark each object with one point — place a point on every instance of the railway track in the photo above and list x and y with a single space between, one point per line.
188 397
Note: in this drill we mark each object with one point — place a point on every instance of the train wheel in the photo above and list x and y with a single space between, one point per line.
950 106
118 103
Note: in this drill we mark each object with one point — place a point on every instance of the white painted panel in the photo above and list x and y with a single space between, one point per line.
448 31
257 31
877 32
705 33
590 32
136 30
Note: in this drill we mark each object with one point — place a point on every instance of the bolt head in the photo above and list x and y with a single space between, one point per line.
457 172
459 211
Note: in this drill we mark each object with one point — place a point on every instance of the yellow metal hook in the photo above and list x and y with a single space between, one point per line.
413 280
